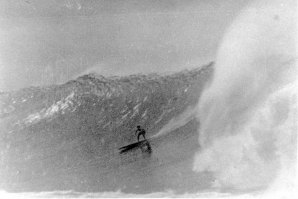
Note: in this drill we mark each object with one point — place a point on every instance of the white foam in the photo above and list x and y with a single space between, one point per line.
248 115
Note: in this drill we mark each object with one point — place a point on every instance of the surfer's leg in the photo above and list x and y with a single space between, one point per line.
139 137
144 136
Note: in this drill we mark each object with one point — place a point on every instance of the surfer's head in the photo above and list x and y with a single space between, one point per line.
138 126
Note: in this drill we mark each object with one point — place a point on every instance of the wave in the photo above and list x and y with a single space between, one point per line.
66 137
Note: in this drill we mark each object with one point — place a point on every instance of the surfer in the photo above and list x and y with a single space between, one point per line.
140 132
143 145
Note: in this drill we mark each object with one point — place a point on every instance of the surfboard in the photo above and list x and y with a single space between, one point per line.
135 145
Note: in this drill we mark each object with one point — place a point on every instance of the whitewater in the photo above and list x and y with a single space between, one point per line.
248 114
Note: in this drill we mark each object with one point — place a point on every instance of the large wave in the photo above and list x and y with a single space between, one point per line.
248 114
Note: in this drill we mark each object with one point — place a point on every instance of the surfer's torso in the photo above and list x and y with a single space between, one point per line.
141 131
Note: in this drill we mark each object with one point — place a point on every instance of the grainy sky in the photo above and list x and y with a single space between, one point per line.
51 41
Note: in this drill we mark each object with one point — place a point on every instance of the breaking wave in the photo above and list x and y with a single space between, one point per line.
248 114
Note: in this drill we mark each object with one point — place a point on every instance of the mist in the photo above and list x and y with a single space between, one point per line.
248 115
179 121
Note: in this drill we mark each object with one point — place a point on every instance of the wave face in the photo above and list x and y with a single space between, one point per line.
66 137
249 113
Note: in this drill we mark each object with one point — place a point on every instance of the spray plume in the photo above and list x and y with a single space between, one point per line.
248 114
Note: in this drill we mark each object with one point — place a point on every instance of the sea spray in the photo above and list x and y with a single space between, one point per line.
187 115
248 114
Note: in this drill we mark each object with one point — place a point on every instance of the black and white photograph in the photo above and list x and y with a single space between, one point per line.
148 99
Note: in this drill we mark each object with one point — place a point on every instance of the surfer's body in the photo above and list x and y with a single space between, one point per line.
140 132
142 144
